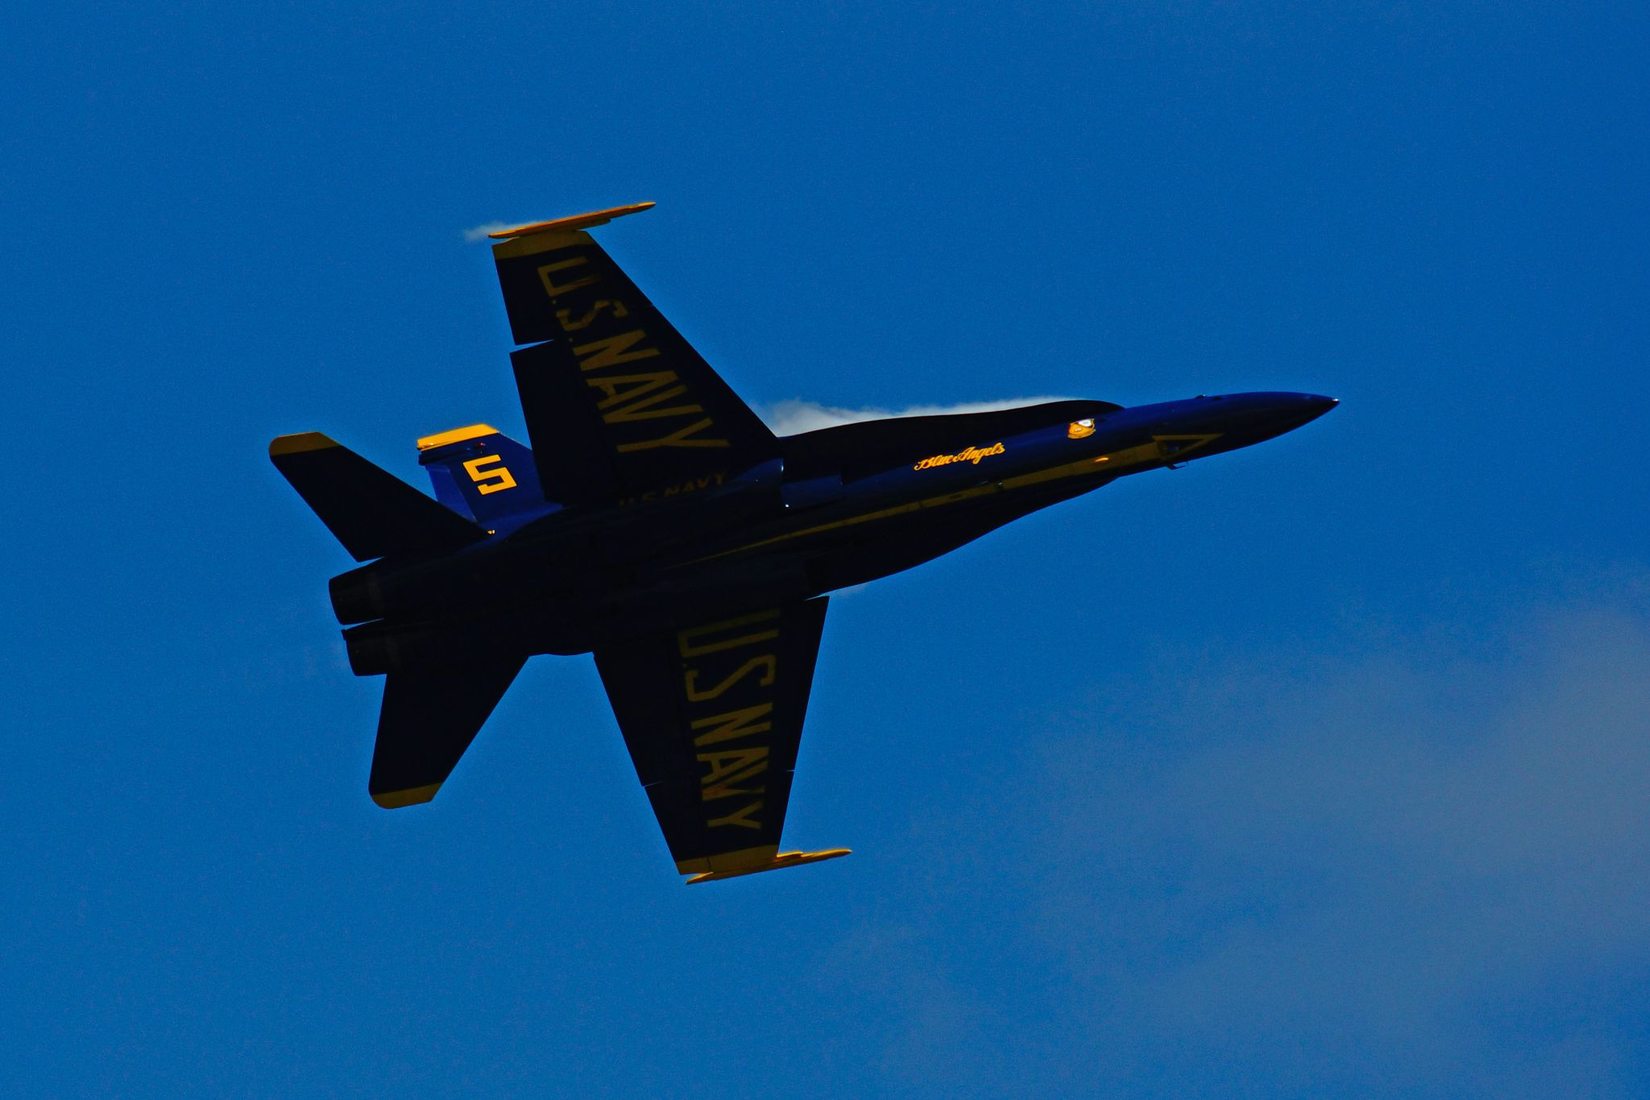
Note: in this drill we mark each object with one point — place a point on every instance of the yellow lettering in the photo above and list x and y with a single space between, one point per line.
613 350
693 486
489 480
568 324
689 641
636 395
556 291
732 725
640 410
728 768
680 438
690 679
739 818
619 388
968 454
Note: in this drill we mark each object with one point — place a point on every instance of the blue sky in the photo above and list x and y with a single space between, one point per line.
1314 768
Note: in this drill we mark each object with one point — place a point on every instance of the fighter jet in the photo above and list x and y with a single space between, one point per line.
655 521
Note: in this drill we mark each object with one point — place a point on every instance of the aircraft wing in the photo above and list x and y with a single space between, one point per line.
712 715
618 405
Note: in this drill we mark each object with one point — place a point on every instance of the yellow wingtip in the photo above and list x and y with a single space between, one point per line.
572 222
778 862
412 796
299 443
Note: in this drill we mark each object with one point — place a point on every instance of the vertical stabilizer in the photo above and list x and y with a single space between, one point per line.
482 473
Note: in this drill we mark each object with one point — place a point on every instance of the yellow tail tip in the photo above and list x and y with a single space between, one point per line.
457 435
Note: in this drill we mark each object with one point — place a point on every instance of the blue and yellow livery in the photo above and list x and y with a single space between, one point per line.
653 520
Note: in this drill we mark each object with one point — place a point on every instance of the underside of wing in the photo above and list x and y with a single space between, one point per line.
712 714
617 403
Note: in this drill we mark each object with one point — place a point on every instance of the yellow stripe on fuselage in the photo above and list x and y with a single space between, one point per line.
1106 464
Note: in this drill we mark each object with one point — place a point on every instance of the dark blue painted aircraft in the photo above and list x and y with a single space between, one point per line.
659 524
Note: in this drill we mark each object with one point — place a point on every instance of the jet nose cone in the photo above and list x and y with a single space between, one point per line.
1287 411
1315 405
1272 414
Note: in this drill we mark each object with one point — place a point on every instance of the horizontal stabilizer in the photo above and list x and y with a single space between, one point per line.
428 719
371 511
779 861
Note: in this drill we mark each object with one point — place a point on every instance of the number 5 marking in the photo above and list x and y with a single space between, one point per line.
489 481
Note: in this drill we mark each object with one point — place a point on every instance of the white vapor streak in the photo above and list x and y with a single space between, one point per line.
792 417
479 232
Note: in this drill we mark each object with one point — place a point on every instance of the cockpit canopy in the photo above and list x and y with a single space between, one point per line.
855 450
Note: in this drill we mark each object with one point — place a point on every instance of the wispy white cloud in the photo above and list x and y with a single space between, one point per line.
794 416
1398 846
479 232
1418 870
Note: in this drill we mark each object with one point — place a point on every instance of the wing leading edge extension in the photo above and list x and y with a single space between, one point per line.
617 403
712 714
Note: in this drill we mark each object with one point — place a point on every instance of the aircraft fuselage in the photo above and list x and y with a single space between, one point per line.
568 580
657 522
